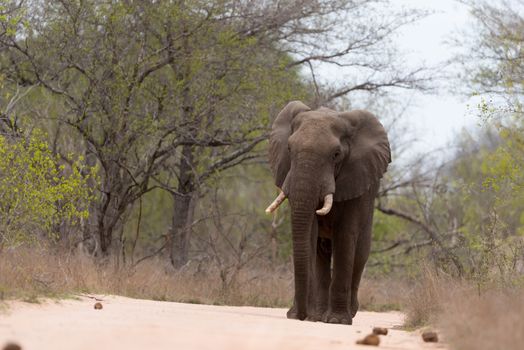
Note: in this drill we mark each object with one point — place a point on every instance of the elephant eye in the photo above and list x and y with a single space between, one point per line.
336 155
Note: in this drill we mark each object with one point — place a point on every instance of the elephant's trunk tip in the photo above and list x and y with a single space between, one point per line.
328 203
276 203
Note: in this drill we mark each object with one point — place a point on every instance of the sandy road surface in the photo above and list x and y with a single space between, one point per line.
128 324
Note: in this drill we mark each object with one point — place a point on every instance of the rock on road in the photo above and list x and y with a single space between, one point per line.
129 324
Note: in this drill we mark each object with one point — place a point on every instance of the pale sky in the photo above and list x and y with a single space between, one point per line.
438 117
441 116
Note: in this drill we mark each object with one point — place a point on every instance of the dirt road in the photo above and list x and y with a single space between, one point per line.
125 323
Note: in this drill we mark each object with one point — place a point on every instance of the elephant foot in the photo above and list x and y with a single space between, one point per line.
314 318
354 307
292 314
337 317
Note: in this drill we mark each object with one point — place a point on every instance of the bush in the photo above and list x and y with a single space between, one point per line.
38 193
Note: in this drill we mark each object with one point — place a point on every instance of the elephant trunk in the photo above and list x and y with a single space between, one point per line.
302 222
304 199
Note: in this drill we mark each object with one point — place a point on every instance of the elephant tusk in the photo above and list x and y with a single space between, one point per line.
276 203
328 202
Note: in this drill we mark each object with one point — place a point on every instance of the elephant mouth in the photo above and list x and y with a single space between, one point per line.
326 208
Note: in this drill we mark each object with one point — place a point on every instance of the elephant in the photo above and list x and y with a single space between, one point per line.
328 165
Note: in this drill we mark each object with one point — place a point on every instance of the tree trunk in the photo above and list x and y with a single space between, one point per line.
184 199
184 206
183 209
89 226
110 209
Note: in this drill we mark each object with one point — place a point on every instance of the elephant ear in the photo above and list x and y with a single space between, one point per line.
278 148
368 158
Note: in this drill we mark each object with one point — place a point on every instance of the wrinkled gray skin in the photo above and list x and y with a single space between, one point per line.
314 153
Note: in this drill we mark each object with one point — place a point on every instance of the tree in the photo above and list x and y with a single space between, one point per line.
282 37
38 193
467 216
492 61
142 86
493 65
169 94
495 74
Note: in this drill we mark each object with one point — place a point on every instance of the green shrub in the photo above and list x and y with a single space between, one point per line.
37 192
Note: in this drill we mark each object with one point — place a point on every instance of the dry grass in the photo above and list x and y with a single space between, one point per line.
492 320
468 318
28 274
424 298
382 294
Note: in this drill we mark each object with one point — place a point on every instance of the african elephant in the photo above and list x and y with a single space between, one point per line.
328 164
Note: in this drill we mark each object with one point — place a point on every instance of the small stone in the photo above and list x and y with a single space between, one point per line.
430 337
12 346
380 331
370 339
98 306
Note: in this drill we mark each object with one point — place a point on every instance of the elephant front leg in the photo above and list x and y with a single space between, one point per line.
340 290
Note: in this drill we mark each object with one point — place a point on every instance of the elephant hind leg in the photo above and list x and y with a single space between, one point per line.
344 242
358 268
363 247
361 257
292 313
323 274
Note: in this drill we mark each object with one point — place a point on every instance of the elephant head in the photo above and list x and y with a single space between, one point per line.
317 157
